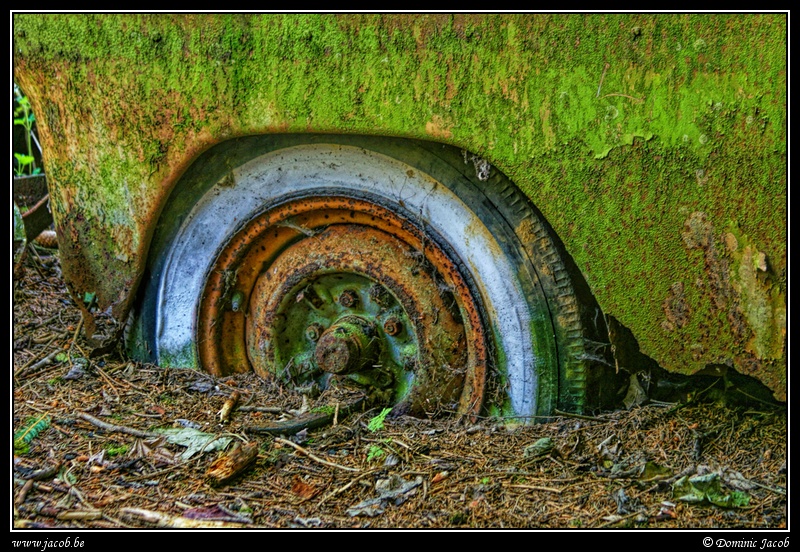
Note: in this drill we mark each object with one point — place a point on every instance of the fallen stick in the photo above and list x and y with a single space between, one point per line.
164 520
307 421
116 428
75 335
314 458
536 488
79 515
268 409
44 473
23 492
577 416
344 488
32 368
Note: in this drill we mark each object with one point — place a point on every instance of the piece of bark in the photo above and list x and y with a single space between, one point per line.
232 464
228 407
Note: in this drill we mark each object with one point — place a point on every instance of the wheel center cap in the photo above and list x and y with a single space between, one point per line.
349 345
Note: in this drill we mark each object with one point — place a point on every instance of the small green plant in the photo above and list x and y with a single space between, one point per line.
376 423
374 453
24 117
116 450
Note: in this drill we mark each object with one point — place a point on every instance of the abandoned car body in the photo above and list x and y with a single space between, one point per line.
460 212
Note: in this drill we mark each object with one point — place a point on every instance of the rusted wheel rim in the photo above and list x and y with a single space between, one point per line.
336 289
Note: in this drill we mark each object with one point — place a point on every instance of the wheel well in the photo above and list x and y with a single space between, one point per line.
580 323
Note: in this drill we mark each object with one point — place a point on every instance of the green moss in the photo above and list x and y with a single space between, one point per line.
325 409
617 136
186 358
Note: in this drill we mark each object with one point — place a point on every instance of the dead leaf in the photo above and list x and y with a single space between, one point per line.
303 489
650 471
195 441
636 395
391 489
539 448
155 450
737 481
156 409
706 488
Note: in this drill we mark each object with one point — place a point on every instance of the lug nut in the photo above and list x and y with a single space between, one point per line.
393 326
348 298
314 331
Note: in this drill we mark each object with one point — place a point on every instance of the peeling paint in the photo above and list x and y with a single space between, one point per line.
738 284
762 302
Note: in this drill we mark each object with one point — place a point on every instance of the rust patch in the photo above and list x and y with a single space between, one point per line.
698 234
740 287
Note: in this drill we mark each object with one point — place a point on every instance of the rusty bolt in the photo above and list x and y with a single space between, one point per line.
314 331
393 326
348 298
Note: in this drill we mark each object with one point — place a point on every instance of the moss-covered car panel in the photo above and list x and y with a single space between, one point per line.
654 144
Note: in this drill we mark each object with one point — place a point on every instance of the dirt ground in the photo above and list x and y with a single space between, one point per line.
88 452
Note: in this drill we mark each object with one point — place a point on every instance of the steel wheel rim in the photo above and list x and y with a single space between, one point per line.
254 293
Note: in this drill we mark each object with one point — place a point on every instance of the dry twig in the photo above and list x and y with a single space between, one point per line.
116 428
314 458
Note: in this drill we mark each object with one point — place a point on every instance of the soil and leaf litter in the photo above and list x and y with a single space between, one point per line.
108 443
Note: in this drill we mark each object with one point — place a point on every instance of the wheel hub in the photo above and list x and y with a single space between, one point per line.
348 346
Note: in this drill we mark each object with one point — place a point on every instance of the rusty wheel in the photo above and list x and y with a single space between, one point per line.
330 288
391 267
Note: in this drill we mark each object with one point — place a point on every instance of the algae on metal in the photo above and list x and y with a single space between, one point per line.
618 126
